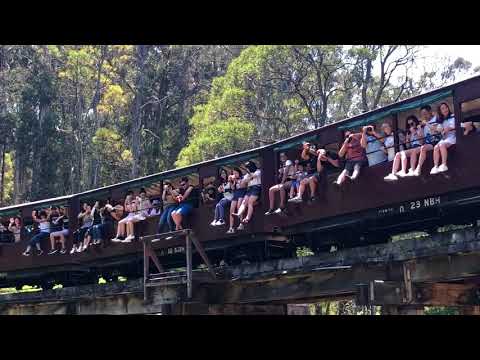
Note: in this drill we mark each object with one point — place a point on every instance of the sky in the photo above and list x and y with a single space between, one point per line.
468 52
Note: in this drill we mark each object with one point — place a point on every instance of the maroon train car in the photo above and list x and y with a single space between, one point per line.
366 211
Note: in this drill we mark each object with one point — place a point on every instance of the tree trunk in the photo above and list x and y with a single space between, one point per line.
2 176
365 85
141 53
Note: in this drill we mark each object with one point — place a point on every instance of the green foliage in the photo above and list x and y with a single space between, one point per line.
8 178
441 310
76 117
114 157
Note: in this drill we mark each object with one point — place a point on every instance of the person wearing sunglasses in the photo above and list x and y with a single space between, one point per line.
413 142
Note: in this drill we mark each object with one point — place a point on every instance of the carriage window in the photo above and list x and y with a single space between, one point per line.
427 124
209 191
193 179
471 116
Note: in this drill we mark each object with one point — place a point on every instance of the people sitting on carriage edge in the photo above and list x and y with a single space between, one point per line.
97 220
225 189
128 207
447 129
15 226
169 196
325 160
414 139
430 138
86 220
375 148
239 192
101 231
286 176
44 232
61 231
388 141
142 212
299 175
254 189
186 200
353 149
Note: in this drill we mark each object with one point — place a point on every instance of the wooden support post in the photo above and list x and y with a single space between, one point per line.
146 271
189 264
202 253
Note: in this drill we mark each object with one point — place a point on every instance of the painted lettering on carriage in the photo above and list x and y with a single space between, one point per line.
411 206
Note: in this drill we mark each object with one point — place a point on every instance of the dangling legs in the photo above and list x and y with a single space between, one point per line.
421 159
251 202
356 171
233 207
312 182
341 178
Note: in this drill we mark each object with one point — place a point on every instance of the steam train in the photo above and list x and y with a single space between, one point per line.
359 213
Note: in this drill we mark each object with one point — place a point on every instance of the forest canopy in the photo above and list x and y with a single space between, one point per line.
77 117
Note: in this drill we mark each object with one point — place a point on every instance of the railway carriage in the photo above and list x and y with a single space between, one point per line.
363 212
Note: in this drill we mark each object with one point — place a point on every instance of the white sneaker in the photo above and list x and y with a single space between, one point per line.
442 168
241 227
411 172
296 199
401 173
128 239
74 249
115 239
390 177
278 211
220 222
434 170
416 172
213 223
231 231
79 249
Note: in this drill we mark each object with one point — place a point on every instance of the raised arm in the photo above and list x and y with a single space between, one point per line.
343 149
187 192
363 140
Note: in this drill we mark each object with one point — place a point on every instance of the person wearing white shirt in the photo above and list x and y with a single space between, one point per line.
388 141
447 129
286 175
430 137
254 189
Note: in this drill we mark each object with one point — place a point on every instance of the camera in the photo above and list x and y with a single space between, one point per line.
369 128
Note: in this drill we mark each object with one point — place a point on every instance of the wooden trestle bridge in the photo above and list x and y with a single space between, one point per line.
403 277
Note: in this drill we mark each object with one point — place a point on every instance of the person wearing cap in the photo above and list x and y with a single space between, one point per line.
286 176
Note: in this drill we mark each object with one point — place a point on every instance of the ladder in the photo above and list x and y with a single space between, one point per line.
169 278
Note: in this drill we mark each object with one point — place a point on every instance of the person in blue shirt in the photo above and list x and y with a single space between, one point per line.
375 148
